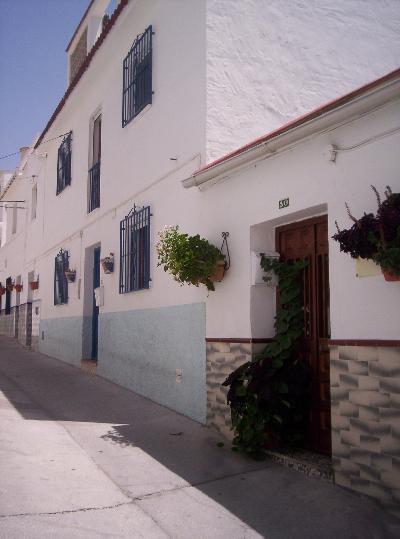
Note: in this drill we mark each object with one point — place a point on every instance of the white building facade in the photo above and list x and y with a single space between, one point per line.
213 75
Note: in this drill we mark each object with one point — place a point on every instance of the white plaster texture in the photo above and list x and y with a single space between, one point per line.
270 61
360 308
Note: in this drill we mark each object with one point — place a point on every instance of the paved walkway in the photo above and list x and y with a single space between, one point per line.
82 458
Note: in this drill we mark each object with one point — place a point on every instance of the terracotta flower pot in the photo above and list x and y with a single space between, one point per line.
219 271
390 276
108 266
18 288
70 275
34 285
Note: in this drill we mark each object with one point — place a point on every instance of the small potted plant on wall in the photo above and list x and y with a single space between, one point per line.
107 263
190 259
18 288
70 274
34 285
376 237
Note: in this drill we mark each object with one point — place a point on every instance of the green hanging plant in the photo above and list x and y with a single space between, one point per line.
270 396
189 259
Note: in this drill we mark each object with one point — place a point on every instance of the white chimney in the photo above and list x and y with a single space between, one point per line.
22 152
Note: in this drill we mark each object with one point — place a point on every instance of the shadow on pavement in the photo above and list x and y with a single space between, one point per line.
189 468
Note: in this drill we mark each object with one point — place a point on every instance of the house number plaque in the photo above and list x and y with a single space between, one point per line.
284 203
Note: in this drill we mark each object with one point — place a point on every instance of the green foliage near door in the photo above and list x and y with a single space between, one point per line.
270 396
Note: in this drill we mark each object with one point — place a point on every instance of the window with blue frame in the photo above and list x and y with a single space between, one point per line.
64 163
134 271
137 90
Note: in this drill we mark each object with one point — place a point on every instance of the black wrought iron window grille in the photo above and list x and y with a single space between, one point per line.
61 264
8 296
94 187
137 77
134 273
64 163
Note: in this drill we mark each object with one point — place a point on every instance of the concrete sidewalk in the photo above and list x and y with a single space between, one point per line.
82 458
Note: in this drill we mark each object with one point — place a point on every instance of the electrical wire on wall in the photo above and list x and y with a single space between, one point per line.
41 144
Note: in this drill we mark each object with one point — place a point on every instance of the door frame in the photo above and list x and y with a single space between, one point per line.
95 311
318 351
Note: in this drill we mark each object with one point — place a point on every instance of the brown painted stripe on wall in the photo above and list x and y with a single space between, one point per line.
332 342
238 340
363 342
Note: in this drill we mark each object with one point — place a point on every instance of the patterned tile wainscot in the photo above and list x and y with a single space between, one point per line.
224 357
365 392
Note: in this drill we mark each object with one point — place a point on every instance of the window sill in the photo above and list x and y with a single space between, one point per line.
139 116
95 210
63 191
135 291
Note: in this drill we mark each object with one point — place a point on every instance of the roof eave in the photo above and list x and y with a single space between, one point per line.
384 89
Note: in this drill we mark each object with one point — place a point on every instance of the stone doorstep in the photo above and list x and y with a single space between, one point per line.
306 462
89 366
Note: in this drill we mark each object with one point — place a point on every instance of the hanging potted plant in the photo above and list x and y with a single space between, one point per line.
34 285
18 288
190 259
219 271
387 253
375 237
107 263
357 241
70 275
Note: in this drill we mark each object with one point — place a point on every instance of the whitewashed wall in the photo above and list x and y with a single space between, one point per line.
132 157
14 250
176 125
364 308
270 61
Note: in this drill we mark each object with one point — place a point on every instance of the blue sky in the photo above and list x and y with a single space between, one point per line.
33 66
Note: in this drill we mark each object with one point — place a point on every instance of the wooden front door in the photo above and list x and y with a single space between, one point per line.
309 240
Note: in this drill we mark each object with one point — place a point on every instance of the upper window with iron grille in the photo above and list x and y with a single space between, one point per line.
64 163
61 264
134 269
94 171
137 77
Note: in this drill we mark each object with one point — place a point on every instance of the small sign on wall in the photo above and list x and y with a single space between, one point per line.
367 268
284 203
99 296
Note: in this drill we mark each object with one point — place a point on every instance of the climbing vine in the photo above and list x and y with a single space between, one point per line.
270 395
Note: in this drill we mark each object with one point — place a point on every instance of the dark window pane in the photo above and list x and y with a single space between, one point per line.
64 164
